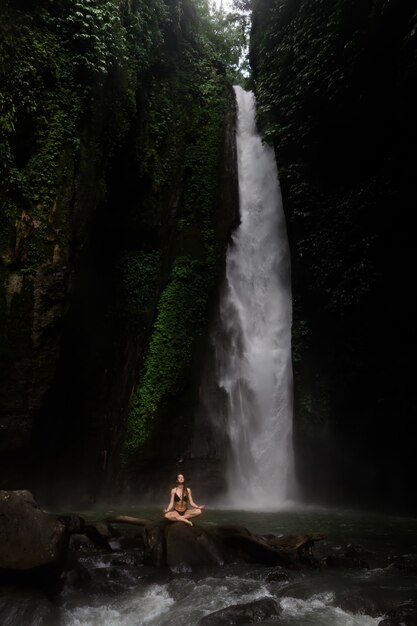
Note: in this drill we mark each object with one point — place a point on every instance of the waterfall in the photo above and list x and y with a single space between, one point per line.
248 401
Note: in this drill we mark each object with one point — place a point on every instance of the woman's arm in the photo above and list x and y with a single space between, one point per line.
171 502
193 504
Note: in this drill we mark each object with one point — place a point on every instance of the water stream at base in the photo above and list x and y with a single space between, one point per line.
181 596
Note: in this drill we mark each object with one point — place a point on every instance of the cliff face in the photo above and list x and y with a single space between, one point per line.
118 192
334 83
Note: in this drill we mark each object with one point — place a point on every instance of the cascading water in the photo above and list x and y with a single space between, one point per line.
252 341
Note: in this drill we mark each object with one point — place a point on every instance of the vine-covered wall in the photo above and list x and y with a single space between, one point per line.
334 83
117 198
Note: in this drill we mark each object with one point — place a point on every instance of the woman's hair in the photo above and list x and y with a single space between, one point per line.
184 487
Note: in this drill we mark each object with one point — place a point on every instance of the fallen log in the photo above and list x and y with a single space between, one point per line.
173 543
127 519
303 544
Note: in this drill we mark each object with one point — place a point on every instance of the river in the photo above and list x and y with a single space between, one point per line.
323 596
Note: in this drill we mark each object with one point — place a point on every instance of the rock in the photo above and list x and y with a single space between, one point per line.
361 605
345 562
405 562
240 544
102 581
175 543
26 607
278 575
78 578
132 558
155 546
358 551
137 542
250 613
97 537
32 544
73 523
402 615
81 543
191 545
105 529
300 547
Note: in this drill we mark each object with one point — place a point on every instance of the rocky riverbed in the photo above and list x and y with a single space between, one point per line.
66 569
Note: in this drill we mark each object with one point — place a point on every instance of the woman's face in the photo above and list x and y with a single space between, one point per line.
180 479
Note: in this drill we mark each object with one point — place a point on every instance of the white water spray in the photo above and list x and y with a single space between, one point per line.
255 370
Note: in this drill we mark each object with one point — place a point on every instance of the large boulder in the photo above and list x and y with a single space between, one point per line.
191 545
359 604
249 613
26 607
32 543
402 615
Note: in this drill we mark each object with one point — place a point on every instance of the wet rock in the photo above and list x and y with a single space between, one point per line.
190 545
250 613
129 559
361 605
78 578
74 524
26 607
132 543
239 543
278 575
82 543
357 551
402 615
108 581
405 562
97 537
106 530
114 545
175 543
101 581
32 544
299 547
345 562
155 545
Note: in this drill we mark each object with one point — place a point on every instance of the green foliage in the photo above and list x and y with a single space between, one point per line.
83 81
185 135
181 316
38 95
55 65
97 31
141 274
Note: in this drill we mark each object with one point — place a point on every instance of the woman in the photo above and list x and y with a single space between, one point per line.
181 498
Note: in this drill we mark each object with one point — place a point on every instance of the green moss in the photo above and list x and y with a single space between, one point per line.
89 85
184 135
181 316
141 275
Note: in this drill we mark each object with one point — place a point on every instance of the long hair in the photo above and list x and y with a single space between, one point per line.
184 490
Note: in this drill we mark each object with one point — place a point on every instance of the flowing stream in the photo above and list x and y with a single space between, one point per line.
126 594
